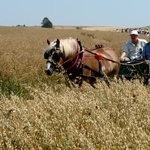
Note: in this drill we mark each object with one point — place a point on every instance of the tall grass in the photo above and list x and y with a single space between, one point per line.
40 112
115 117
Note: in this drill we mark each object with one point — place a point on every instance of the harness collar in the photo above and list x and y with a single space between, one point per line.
77 60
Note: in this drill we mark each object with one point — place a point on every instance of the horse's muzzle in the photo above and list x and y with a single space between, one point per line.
49 68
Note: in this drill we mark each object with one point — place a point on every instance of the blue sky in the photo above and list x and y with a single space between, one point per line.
133 13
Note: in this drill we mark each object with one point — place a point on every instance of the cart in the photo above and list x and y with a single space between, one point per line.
134 70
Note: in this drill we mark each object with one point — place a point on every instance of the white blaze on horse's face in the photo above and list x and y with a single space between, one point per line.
49 68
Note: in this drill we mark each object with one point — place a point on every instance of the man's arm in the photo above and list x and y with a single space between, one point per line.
144 58
122 56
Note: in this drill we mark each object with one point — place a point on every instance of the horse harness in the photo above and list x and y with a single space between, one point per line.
75 66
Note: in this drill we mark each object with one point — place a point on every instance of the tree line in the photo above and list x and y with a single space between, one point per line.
46 23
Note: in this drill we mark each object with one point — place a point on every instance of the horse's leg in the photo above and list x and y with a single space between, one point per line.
93 86
106 78
79 81
92 82
69 83
69 80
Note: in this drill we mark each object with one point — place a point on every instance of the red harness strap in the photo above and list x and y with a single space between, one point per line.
77 58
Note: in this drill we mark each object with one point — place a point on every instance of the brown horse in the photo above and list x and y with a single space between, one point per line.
80 63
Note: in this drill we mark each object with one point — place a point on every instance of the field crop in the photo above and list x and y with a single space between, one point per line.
40 112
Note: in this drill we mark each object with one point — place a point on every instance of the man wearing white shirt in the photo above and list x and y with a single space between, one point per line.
133 48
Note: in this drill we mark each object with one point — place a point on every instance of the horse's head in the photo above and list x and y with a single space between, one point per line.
53 55
61 53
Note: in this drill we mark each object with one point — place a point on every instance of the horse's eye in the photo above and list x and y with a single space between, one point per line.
47 54
56 57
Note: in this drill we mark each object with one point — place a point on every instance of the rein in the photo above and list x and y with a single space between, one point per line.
97 56
132 63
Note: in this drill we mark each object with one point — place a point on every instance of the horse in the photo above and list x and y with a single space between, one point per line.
80 64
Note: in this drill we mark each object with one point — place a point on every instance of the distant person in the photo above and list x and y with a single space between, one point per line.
133 48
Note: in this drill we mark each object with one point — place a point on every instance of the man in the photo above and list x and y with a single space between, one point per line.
133 48
146 51
146 55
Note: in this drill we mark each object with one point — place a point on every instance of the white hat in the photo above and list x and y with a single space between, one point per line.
135 32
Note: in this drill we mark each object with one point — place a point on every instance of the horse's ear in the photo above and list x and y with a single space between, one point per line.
48 42
57 43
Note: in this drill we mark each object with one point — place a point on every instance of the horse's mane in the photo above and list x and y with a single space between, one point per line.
68 46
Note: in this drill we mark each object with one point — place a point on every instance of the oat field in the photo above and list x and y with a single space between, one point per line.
38 112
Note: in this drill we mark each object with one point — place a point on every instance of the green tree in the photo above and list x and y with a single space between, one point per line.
46 23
